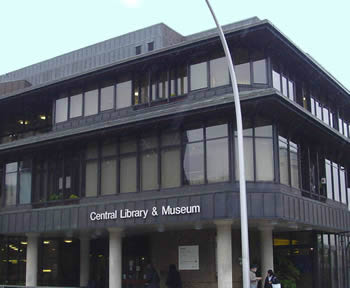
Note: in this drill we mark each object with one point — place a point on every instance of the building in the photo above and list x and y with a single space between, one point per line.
124 152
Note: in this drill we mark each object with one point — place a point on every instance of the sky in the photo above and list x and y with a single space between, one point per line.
36 30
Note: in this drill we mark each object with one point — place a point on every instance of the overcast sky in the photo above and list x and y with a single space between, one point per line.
36 30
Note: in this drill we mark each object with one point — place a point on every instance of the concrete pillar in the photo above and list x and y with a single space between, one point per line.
32 259
224 255
84 260
266 249
115 258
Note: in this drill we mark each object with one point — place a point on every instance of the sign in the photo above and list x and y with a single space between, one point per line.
189 257
144 213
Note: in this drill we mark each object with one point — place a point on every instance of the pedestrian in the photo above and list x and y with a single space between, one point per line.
270 279
152 277
252 275
173 280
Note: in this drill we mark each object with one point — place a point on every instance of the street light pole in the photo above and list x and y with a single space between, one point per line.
242 182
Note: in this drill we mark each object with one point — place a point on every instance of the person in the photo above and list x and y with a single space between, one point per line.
152 277
270 279
252 275
173 280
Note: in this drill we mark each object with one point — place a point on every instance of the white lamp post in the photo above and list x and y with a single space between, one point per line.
242 182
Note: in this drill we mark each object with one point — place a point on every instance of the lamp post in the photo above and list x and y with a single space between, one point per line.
242 182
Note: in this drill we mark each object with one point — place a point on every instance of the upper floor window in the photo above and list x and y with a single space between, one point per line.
288 162
61 111
259 72
199 75
76 105
107 96
91 102
138 50
284 84
335 181
150 46
219 74
124 93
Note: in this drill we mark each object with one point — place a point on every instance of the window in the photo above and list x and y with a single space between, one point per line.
124 94
138 50
61 113
149 163
329 179
141 90
276 80
291 90
150 46
219 74
248 154
107 97
199 76
284 86
159 85
11 172
171 159
182 81
25 182
128 165
194 157
259 71
243 73
109 168
264 153
217 157
91 102
91 168
289 162
76 106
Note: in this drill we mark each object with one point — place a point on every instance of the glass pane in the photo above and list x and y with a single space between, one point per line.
313 106
108 177
325 115
107 98
216 131
11 167
248 158
194 135
283 153
340 125
345 129
163 85
182 81
336 182
144 89
243 73
219 75
91 151
25 187
291 90
128 174
264 159
263 131
61 110
128 145
169 139
76 106
109 148
124 94
276 80
149 143
149 170
171 167
91 179
259 71
91 102
11 188
172 83
342 185
284 86
329 179
194 163
318 110
199 76
294 167
217 160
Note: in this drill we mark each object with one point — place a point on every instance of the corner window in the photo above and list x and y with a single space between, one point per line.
243 73
259 71
199 76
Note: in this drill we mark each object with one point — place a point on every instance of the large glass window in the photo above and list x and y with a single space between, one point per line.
25 179
194 157
107 97
329 180
276 80
149 163
219 75
264 153
259 71
284 164
294 164
336 189
11 170
124 94
248 154
199 76
217 157
171 160
243 73
109 168
76 106
91 102
61 111
91 169
342 184
128 165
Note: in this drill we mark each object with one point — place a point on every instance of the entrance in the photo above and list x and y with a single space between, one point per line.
135 257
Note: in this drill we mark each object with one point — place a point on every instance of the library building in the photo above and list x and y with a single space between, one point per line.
123 155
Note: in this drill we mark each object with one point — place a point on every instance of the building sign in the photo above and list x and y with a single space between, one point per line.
189 257
144 213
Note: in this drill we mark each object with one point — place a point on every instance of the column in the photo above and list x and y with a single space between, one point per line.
266 249
32 259
115 258
224 254
84 260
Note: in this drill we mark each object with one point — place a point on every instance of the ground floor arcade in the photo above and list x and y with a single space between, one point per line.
206 255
